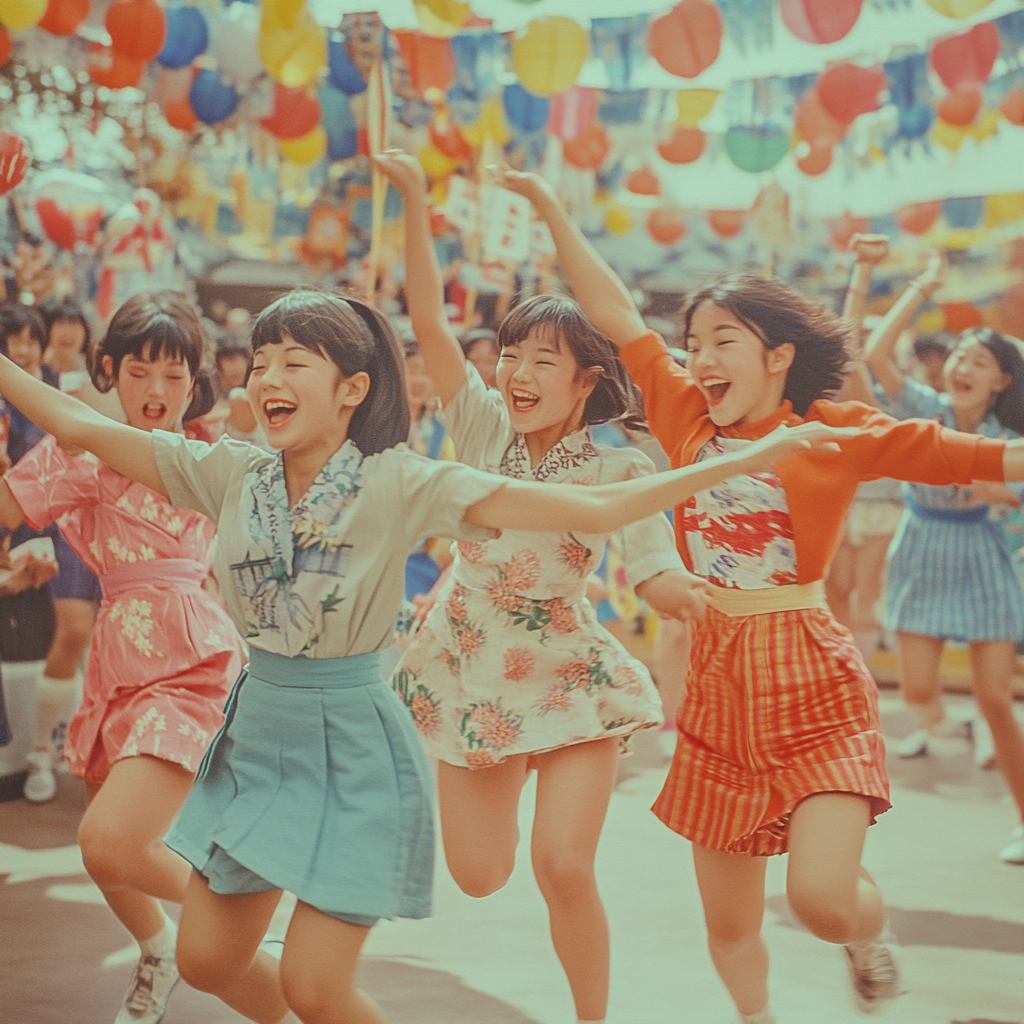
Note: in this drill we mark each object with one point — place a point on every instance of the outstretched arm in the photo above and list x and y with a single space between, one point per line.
558 508
869 250
424 288
878 352
75 425
597 288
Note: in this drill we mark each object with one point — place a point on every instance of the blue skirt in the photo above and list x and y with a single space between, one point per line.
951 577
318 783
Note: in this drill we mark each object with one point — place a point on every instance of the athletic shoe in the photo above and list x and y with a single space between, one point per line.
145 1002
874 972
41 784
984 747
913 745
1014 853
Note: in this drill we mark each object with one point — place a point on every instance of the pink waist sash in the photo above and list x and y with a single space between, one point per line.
174 572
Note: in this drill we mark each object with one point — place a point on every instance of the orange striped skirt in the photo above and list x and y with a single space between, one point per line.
778 706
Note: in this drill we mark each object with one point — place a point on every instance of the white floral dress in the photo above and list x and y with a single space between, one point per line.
511 659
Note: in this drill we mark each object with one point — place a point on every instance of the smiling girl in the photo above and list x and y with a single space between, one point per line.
779 743
163 652
949 574
318 783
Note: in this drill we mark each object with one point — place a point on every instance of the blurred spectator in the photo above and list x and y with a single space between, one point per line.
480 347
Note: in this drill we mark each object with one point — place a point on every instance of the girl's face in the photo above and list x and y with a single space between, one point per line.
154 395
66 340
542 385
25 351
483 355
973 377
740 378
419 388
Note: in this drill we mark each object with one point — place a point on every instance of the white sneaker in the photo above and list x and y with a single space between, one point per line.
984 747
913 745
1014 853
874 972
145 1002
41 784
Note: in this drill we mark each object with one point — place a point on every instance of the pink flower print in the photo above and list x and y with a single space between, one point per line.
522 571
627 679
556 699
479 759
425 712
451 660
492 727
563 618
519 664
472 551
575 556
456 605
502 596
575 671
471 641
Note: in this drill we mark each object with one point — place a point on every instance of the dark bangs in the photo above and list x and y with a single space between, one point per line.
1008 404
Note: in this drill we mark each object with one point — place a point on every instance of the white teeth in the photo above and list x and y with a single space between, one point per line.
711 381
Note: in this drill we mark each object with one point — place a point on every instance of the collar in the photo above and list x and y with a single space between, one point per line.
783 415
572 450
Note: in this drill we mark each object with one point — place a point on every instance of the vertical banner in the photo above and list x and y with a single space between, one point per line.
378 129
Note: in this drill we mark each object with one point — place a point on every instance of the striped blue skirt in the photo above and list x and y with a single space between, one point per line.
318 783
950 576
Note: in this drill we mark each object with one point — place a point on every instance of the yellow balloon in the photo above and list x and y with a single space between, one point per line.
931 321
618 220
695 104
948 135
958 8
489 125
1004 208
293 57
441 17
306 149
960 238
986 126
435 163
285 13
15 14
548 56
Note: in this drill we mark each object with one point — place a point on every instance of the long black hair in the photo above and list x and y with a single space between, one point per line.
1008 404
780 315
357 339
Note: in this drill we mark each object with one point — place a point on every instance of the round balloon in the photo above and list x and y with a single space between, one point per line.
727 223
590 149
235 43
14 161
180 115
212 99
847 90
137 28
63 17
817 160
549 55
112 69
643 182
1012 107
666 225
343 73
687 40
292 56
966 59
442 18
918 218
70 206
618 220
15 14
296 112
756 149
814 124
435 163
187 37
820 21
306 149
960 107
683 146
695 104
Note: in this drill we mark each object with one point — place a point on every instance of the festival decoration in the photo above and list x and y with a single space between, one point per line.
339 122
63 17
344 74
112 69
727 223
814 124
756 149
618 220
442 18
572 112
296 113
435 163
694 105
958 8
431 63
293 46
306 149
643 182
235 43
1012 107
180 115
966 59
820 21
684 146
687 40
843 230
666 225
447 139
1003 209
14 161
961 316
548 56
523 110
212 99
15 14
963 213
137 28
5 46
918 218
70 206
589 150
960 106
846 90
187 37
621 45
817 160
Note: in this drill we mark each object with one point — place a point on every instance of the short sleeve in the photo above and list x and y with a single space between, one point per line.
48 483
198 475
478 422
914 401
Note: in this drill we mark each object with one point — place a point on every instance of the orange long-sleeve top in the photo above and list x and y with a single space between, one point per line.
819 486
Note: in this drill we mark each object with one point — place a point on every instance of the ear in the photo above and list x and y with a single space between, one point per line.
107 365
589 377
1004 382
353 390
778 360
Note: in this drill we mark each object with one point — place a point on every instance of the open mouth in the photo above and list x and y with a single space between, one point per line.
716 387
278 411
523 401
154 411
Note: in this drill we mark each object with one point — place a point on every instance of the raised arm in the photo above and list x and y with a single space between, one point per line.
596 287
557 508
869 251
424 288
878 352
75 425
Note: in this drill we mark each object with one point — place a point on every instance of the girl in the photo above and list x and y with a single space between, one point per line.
779 746
511 670
67 332
480 347
950 573
318 782
163 652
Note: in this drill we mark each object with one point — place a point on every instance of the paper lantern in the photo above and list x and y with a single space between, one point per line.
549 55
947 135
918 218
292 45
5 46
618 220
1004 208
961 316
959 107
442 18
489 125
296 113
306 149
687 40
1012 107
590 149
843 230
820 21
343 73
814 124
524 111
756 149
963 213
212 99
695 104
431 63
70 206
235 43
14 161
180 115
137 28
643 182
846 90
817 160
187 37
572 112
112 69
445 136
63 17
435 163
15 14
727 223
683 146
966 59
666 225
958 8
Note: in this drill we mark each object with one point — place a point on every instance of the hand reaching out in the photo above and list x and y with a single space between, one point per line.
934 276
524 183
403 171
784 442
871 249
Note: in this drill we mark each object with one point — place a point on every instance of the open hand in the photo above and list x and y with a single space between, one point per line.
871 249
403 171
934 276
524 183
784 442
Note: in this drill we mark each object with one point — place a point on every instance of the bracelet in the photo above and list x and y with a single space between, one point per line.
923 289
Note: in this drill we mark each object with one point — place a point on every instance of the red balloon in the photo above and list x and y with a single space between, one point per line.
180 115
817 161
917 218
137 28
589 149
430 60
296 112
112 69
643 182
1012 107
684 145
820 21
845 228
5 46
959 107
961 316
966 59
846 91
727 223
686 41
66 227
814 124
63 17
445 135
14 161
666 225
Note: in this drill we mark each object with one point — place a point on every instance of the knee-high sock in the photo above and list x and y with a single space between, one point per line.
52 699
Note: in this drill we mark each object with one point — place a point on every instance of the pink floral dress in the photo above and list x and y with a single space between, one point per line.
511 659
164 653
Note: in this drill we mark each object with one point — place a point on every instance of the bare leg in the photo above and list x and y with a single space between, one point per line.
828 889
218 950
732 891
574 785
869 580
121 836
840 583
318 970
992 666
920 657
479 822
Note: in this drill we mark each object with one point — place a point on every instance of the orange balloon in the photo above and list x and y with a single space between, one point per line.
814 124
817 161
63 17
727 223
959 107
845 228
180 115
112 69
643 182
917 218
5 46
588 150
685 145
960 316
666 225
1012 107
687 40
430 60
137 28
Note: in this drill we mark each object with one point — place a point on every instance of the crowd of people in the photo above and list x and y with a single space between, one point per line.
257 532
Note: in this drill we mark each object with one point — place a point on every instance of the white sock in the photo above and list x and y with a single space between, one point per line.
162 944
52 699
764 1016
948 727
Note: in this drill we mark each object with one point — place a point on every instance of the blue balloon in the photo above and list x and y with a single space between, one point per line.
212 98
187 37
343 73
914 122
525 110
339 123
963 213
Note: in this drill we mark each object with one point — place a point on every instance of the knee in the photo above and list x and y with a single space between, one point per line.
479 880
828 915
733 936
314 998
202 969
564 877
106 853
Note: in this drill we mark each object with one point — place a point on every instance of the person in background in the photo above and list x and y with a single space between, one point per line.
930 355
480 347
